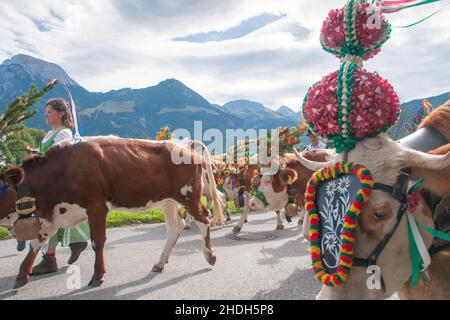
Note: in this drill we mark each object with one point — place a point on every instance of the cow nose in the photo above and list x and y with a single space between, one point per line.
252 203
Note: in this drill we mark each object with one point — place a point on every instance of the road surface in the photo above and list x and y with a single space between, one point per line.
270 269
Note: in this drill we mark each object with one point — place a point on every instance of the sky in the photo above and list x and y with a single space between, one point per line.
266 51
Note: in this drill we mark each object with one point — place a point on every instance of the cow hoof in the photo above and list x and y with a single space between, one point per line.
212 259
237 229
20 283
228 218
186 227
157 269
280 227
95 283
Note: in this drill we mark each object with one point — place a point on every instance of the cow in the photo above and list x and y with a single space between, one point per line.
86 180
380 218
291 174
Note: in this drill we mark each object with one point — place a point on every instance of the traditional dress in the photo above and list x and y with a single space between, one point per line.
66 236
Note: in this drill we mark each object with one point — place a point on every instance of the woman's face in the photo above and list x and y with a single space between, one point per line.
53 117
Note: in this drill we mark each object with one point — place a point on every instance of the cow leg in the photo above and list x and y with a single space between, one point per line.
97 224
301 216
188 221
175 226
203 224
227 212
280 225
46 231
238 227
305 228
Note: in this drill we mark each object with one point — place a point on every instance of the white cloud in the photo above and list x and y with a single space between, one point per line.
107 45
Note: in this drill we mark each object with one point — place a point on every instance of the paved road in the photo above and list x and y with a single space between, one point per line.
272 269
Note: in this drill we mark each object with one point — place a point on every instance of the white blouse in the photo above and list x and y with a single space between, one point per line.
64 134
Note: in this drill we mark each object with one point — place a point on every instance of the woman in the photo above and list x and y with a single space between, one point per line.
59 118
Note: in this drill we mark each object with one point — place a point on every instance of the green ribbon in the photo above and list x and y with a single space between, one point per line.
420 21
436 233
259 195
416 259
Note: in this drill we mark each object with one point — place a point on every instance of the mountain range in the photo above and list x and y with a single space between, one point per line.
140 113
136 113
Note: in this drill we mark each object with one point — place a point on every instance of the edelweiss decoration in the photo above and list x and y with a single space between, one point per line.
334 198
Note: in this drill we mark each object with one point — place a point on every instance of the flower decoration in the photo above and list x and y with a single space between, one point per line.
357 29
164 134
289 137
350 220
349 105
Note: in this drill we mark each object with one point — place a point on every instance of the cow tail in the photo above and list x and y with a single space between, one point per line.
218 218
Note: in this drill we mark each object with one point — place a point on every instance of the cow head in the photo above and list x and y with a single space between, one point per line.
8 194
385 158
271 192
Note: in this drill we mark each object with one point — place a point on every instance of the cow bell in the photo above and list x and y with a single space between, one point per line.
27 227
291 209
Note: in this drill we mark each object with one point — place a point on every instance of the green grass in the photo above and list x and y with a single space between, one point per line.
117 219
4 234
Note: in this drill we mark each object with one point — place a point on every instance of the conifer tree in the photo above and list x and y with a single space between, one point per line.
14 136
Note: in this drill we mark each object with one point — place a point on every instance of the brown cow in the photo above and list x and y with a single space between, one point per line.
385 158
274 188
84 181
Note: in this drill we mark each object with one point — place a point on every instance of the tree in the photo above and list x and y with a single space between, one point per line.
14 136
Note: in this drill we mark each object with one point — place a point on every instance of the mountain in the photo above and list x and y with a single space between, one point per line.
256 116
136 113
286 112
408 110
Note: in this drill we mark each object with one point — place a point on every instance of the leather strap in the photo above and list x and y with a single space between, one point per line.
395 191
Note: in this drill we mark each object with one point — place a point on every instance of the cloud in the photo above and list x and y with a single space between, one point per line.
106 45
235 32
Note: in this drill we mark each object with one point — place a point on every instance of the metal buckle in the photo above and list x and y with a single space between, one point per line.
25 206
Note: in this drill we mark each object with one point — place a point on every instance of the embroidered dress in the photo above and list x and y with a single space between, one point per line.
66 236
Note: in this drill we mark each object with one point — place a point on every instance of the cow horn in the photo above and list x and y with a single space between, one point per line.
311 165
423 160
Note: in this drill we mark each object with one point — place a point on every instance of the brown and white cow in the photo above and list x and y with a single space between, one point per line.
274 188
85 181
385 158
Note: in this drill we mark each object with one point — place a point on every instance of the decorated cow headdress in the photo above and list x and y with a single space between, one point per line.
345 107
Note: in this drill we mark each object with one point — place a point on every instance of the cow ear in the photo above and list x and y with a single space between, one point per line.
14 176
288 176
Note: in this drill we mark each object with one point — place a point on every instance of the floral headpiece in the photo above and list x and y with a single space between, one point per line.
352 103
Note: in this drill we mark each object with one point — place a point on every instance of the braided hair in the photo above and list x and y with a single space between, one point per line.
60 105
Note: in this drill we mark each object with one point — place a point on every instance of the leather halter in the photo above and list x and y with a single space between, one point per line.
396 191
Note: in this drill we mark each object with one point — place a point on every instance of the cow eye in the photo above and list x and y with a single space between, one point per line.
379 215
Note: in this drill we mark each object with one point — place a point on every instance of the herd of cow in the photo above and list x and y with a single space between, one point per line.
136 175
